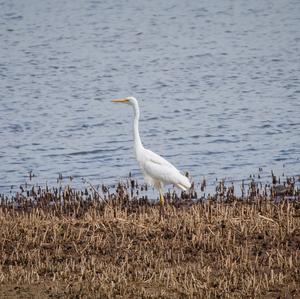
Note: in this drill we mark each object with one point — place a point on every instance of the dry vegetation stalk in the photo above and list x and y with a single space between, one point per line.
201 249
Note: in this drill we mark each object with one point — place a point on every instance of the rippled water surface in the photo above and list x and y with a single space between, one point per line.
217 81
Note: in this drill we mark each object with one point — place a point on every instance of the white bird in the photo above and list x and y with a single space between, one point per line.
156 170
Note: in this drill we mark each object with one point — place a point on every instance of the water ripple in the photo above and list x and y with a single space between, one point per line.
218 95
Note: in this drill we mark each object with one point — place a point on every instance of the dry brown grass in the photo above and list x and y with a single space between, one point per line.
120 249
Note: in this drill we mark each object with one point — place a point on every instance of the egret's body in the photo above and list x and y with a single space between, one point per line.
156 170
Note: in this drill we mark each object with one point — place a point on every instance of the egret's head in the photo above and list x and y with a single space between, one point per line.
127 100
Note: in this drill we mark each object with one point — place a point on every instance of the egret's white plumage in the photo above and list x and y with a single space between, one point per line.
156 170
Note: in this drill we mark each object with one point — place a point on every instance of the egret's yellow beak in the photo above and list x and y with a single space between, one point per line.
121 100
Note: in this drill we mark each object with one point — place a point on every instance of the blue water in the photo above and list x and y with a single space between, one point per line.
217 81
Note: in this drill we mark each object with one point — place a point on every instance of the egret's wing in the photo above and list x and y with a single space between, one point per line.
159 169
155 158
160 172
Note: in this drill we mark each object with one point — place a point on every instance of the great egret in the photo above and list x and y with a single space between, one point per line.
156 170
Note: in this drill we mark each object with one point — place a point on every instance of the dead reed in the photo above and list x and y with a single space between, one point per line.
66 245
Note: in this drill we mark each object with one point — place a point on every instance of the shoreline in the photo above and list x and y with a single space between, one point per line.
267 186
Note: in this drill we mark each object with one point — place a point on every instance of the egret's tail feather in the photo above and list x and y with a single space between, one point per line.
184 184
181 187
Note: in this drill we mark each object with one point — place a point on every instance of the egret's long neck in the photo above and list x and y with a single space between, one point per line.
136 135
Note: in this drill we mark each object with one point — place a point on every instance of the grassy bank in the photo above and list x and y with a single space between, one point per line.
121 249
